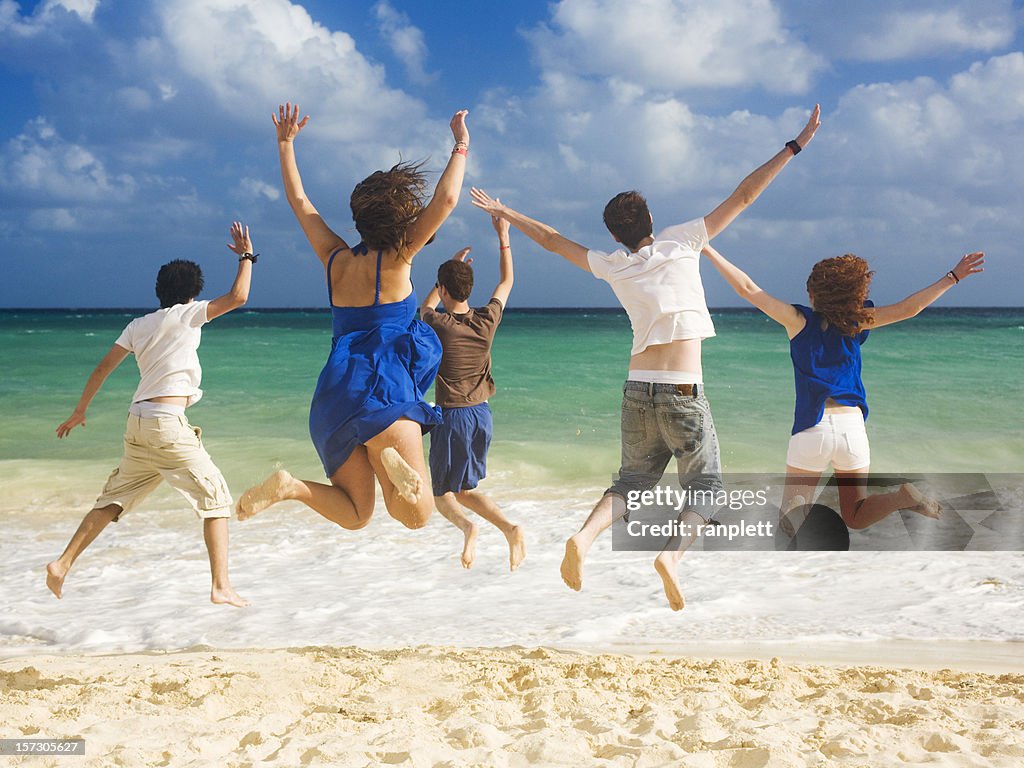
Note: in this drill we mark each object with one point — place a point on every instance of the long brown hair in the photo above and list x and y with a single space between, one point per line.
385 203
838 288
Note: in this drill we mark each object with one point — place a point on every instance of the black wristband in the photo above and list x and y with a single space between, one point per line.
794 147
249 256
956 280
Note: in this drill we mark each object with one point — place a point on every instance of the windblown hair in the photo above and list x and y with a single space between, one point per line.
838 288
178 282
457 279
385 203
628 218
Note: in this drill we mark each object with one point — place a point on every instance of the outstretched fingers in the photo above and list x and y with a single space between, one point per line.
485 202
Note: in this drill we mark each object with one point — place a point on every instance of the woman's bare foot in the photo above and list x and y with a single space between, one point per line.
786 522
227 596
920 503
407 480
55 573
469 546
572 564
666 566
516 547
277 487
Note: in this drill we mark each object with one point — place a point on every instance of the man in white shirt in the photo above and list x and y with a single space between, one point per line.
159 442
664 411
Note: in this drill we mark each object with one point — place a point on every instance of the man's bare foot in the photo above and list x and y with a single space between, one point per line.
666 568
407 480
277 487
516 547
469 546
572 564
55 573
920 503
227 596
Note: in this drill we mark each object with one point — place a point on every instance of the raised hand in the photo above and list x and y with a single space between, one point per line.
969 265
458 125
485 202
287 121
461 255
77 419
501 226
812 126
240 234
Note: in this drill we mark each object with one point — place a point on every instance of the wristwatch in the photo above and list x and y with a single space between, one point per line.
250 256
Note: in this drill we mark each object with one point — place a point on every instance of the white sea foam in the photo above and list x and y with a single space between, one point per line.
144 585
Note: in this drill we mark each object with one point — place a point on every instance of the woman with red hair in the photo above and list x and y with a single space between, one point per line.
831 406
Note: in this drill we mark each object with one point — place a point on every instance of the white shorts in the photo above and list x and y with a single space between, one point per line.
839 438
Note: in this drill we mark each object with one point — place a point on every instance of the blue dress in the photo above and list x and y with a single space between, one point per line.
383 359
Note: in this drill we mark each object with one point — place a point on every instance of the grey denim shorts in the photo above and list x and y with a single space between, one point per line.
660 421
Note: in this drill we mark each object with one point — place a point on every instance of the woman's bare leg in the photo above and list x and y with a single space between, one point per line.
347 501
801 490
396 455
452 512
484 506
860 510
90 527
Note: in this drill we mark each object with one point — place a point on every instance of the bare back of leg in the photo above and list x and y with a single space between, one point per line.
347 501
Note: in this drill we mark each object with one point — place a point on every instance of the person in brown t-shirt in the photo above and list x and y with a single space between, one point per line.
458 447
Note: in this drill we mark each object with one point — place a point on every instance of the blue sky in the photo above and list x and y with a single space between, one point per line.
137 131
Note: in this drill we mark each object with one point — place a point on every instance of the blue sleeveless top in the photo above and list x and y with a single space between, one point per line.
826 363
383 360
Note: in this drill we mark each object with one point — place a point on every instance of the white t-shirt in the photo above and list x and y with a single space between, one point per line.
659 286
165 345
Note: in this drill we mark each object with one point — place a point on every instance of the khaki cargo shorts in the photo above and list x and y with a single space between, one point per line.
166 448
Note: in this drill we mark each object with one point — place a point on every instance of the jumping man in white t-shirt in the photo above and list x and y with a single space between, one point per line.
159 442
664 411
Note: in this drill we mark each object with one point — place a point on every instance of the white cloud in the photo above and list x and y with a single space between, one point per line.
259 188
84 9
880 30
903 35
38 164
45 14
669 45
949 134
278 53
405 40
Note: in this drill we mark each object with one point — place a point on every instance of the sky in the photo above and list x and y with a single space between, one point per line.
137 131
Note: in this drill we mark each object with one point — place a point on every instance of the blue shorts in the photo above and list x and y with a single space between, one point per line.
458 448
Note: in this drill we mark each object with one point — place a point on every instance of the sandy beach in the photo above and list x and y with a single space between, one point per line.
436 706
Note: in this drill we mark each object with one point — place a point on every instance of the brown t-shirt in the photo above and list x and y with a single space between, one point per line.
464 377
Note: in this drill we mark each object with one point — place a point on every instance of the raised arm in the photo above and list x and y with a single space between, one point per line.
753 185
320 236
506 276
971 264
103 369
446 193
781 312
546 237
239 293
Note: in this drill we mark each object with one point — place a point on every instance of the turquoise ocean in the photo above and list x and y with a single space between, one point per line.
945 395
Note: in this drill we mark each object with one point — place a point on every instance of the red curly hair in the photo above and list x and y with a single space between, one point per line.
838 288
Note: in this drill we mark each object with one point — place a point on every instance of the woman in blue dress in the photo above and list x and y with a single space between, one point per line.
831 404
368 414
